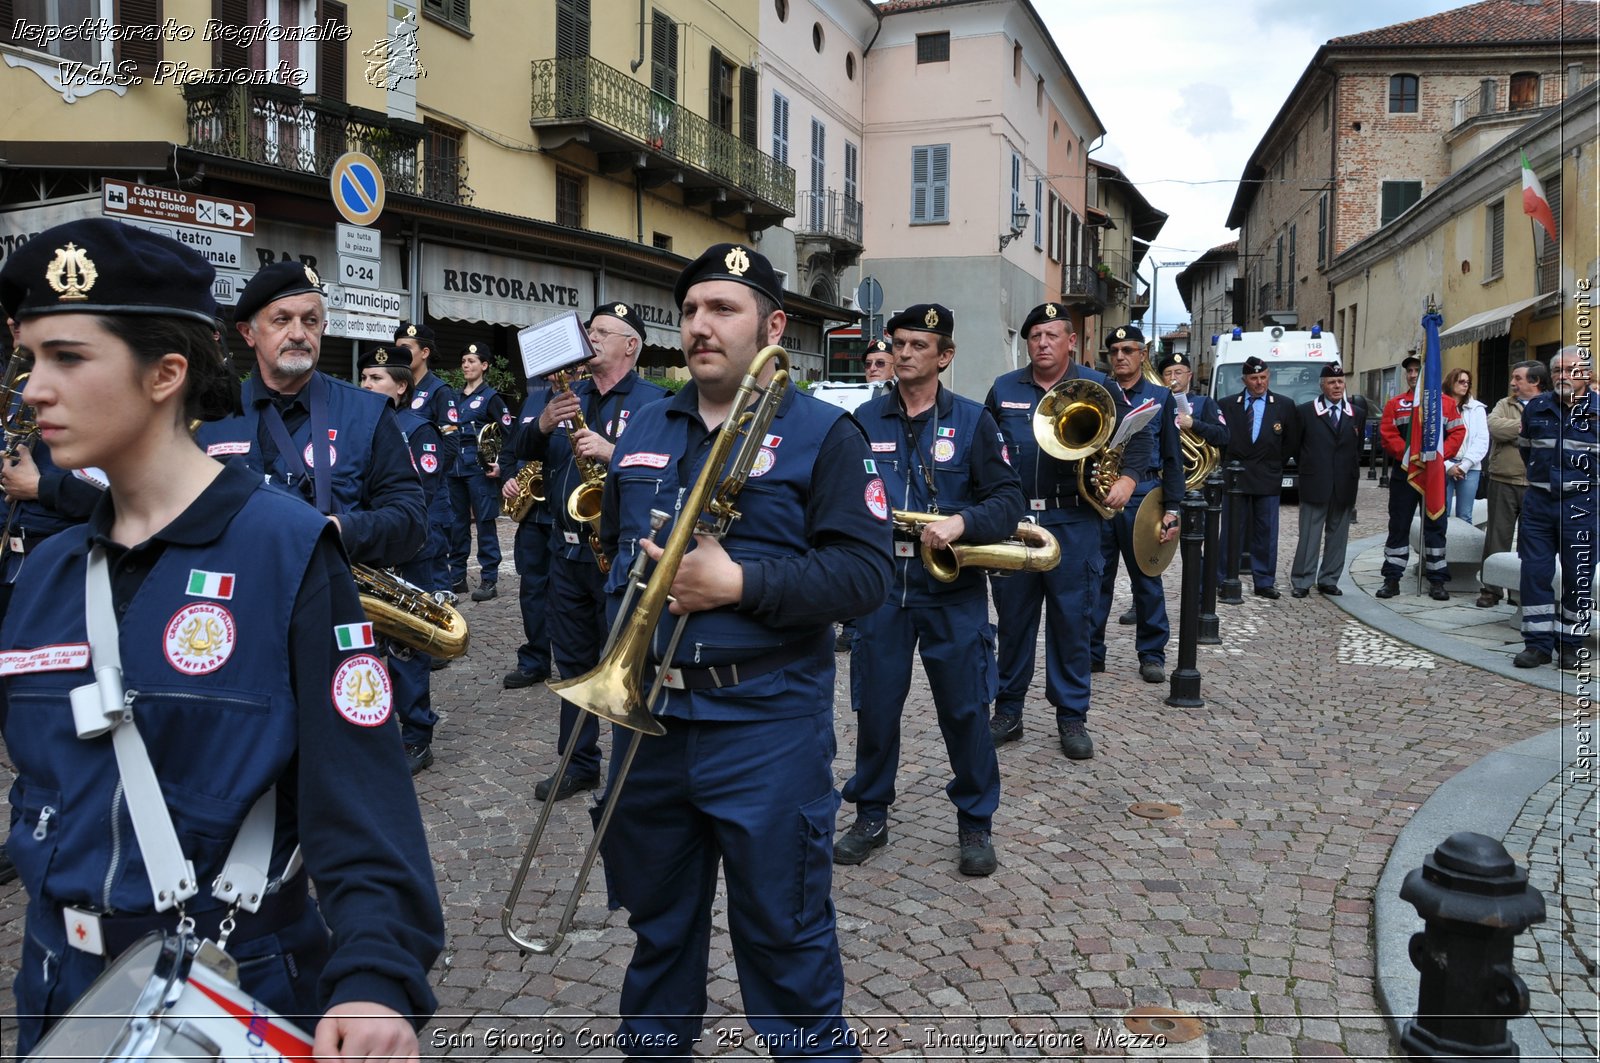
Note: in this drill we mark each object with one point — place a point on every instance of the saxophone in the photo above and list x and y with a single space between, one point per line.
583 504
530 489
409 615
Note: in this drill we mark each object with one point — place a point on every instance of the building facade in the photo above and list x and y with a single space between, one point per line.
1209 288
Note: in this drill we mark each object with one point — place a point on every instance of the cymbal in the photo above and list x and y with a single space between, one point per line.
1152 554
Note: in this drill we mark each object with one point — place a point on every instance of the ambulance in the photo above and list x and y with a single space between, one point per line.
1295 360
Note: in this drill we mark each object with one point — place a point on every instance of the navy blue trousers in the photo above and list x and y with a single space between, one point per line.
1404 501
1068 592
530 554
441 518
413 698
474 499
577 618
1550 526
1149 598
960 669
1260 538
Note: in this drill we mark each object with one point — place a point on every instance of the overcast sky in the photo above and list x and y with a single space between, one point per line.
1186 88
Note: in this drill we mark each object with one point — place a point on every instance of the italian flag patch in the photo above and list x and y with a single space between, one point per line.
209 584
353 636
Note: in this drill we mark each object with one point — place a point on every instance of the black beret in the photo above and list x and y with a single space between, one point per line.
730 262
1411 362
1174 358
925 317
1333 369
482 353
383 358
1124 333
624 313
1045 312
878 347
410 331
101 266
277 281
1252 364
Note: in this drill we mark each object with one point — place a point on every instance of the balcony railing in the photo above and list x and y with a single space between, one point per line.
1081 284
581 89
832 214
274 125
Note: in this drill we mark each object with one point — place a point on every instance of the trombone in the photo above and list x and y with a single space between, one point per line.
612 690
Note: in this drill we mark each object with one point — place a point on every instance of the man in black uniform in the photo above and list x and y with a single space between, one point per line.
1263 430
337 446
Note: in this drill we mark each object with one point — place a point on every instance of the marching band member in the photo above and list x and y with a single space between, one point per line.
435 401
937 453
243 658
530 554
474 489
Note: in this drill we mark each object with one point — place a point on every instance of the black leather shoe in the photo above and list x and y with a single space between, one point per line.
1487 600
1299 592
1390 588
1531 658
1005 727
1128 619
1075 741
1268 592
516 680
1152 671
1437 592
459 588
1330 589
857 843
438 664
1568 661
977 853
571 784
1097 666
484 592
418 757
842 641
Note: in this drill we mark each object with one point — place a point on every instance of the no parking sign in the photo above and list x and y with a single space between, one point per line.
357 187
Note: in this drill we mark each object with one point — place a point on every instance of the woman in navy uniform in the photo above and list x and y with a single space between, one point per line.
245 658
938 452
434 401
743 776
475 491
389 374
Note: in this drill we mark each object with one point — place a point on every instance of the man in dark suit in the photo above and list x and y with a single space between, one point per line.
1331 428
1262 432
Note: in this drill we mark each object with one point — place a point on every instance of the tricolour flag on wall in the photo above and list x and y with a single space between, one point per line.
209 584
1534 202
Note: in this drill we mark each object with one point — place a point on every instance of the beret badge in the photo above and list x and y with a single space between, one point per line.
71 273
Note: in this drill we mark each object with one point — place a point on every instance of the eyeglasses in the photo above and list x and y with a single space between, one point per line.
598 333
1580 369
877 363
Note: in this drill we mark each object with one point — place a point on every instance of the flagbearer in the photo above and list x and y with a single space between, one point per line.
1400 414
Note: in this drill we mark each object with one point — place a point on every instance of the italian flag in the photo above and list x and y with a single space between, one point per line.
1534 203
353 636
210 584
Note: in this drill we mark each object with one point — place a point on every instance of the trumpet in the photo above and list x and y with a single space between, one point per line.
583 504
408 614
613 689
1029 549
530 489
1072 423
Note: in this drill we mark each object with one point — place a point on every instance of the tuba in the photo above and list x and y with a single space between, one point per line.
615 689
490 441
1072 423
530 489
1030 548
408 614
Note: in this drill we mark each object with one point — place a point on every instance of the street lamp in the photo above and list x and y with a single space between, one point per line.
1019 224
1155 297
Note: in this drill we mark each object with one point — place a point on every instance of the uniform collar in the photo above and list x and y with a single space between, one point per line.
258 394
943 402
202 522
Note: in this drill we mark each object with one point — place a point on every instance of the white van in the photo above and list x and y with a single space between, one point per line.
1295 360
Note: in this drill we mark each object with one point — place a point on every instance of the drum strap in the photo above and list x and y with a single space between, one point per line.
104 706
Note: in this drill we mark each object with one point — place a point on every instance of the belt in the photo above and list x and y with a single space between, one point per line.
718 676
1039 505
278 910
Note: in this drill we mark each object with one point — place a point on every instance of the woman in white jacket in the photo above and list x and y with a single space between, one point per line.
1463 471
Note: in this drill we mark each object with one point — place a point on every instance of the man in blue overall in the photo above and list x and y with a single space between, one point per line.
530 554
604 400
937 453
1050 487
434 401
1126 351
1561 447
325 439
743 776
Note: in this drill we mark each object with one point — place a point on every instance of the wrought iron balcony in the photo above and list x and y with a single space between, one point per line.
631 127
1082 286
274 125
831 215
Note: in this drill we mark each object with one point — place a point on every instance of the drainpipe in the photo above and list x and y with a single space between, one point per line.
637 63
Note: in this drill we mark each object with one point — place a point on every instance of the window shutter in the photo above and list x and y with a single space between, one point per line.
939 183
141 15
461 13
8 21
1038 214
572 28
851 172
780 128
664 55
920 164
331 52
749 93
228 54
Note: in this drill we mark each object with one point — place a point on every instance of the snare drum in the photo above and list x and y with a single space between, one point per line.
170 996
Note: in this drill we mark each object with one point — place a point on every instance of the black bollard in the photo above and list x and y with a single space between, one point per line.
1230 591
1185 681
1210 633
1474 900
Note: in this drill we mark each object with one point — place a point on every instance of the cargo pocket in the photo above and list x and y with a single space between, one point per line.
814 858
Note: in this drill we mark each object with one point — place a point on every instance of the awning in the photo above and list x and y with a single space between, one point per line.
1489 324
491 311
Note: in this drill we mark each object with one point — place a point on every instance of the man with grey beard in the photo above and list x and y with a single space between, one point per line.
325 439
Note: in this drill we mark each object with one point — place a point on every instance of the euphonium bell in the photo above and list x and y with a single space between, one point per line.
1030 548
1074 419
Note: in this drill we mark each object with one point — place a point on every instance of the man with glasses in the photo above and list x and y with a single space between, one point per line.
879 362
1560 444
610 393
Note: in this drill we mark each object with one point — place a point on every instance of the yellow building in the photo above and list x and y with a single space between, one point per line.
1506 292
627 150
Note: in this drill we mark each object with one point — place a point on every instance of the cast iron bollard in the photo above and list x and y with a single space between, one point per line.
1474 900
1185 682
1231 592
1210 634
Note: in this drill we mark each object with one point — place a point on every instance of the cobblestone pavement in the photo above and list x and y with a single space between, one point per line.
1249 910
